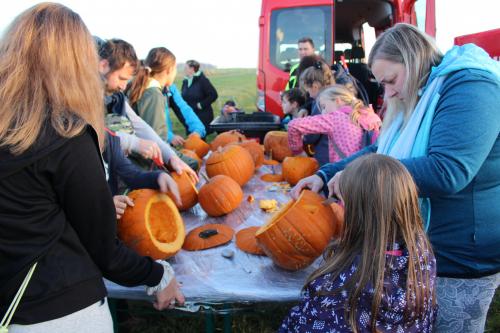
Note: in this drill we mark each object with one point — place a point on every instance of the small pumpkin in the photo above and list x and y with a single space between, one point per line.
276 145
246 241
298 167
233 161
299 232
255 150
220 195
195 143
193 155
208 236
226 138
187 190
153 226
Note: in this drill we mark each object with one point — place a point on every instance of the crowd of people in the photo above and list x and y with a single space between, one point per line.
419 251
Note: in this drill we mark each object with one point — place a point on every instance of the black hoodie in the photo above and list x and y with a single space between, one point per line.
56 208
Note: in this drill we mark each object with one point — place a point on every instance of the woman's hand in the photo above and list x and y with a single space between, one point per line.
179 166
121 203
167 184
314 183
150 150
177 140
167 297
333 186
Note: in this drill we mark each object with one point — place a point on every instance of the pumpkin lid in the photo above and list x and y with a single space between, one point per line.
208 236
270 177
246 241
224 153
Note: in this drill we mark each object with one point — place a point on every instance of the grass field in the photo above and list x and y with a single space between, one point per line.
240 85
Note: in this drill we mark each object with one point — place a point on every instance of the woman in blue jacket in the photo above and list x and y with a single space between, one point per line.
443 124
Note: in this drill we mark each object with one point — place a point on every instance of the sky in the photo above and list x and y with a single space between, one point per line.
225 32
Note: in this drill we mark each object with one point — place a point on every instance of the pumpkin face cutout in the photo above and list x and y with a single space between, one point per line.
196 144
299 233
246 241
226 138
298 167
153 226
233 161
208 236
192 154
276 145
187 190
220 196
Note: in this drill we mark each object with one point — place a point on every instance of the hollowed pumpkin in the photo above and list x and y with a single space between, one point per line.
187 190
208 236
233 161
193 155
246 242
298 167
195 143
153 226
276 145
299 232
226 138
220 196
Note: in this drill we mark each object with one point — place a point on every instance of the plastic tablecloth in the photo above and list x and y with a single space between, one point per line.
209 278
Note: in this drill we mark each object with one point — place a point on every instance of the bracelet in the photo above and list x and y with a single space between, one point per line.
168 275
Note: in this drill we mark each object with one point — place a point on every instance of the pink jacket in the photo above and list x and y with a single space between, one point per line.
344 137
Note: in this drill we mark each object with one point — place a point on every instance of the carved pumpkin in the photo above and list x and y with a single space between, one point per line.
187 190
226 138
208 236
298 167
195 143
193 155
299 232
255 150
220 196
246 242
233 161
276 145
153 226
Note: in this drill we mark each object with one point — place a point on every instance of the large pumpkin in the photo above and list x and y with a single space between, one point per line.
255 150
195 143
276 145
298 167
226 138
153 226
193 155
220 196
187 190
233 161
299 232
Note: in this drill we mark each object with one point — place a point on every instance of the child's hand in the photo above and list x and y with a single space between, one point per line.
314 183
179 166
121 203
333 186
167 184
177 140
150 150
167 297
302 113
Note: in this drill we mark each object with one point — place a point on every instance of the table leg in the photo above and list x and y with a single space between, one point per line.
209 322
228 319
112 309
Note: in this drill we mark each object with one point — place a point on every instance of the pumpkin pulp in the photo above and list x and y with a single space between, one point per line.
163 225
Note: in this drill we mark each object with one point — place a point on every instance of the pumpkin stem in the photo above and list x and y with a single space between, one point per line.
208 233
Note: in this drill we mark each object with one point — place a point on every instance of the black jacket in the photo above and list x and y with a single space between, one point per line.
56 208
203 92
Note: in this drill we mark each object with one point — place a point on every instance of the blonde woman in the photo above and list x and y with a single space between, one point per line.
55 206
443 124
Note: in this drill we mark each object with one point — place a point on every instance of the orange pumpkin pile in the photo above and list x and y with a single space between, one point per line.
298 167
153 226
226 138
233 161
276 145
220 195
195 143
187 190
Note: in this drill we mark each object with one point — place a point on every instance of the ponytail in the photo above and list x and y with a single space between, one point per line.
138 85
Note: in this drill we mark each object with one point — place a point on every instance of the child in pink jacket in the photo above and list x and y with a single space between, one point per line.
347 122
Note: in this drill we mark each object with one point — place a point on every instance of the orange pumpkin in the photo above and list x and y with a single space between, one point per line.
299 232
298 167
276 145
208 236
193 155
195 143
233 161
246 242
255 150
187 190
220 196
226 138
153 226
271 177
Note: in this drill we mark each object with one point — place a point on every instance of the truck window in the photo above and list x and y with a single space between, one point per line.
290 24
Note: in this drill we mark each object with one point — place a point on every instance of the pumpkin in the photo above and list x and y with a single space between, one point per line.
298 167
338 211
195 143
270 162
246 242
220 195
153 226
233 161
193 155
226 138
208 236
255 150
276 145
187 190
299 232
271 177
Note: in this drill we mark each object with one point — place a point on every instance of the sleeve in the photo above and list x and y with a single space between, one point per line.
465 127
128 142
144 131
170 134
193 123
319 124
209 91
89 208
152 109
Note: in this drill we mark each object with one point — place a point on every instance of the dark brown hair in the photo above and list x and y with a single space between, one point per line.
118 52
317 71
295 95
193 64
306 40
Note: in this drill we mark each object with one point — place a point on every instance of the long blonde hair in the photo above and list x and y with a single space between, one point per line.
48 74
381 208
418 52
346 96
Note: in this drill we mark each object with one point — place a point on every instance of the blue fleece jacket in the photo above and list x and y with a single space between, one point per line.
461 172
